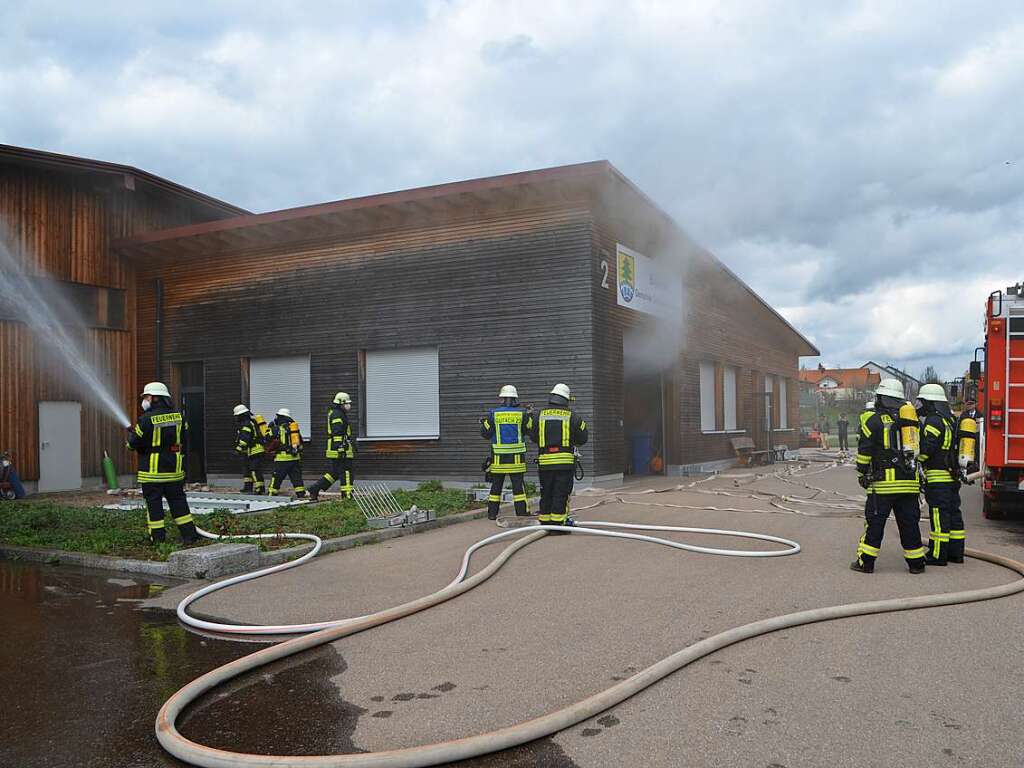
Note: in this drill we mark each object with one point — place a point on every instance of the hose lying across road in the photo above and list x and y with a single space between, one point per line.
521 733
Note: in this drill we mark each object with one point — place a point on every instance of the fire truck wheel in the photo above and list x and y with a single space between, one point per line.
991 509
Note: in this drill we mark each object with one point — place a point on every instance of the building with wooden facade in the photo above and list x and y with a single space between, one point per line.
421 304
58 218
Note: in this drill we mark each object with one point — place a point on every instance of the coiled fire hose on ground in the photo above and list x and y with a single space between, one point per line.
521 733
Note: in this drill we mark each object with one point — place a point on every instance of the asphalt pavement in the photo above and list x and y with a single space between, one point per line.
570 615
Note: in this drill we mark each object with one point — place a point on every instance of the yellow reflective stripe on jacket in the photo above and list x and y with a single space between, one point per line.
161 477
893 487
938 476
931 430
562 457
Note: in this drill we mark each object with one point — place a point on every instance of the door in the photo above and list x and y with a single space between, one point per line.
60 446
190 380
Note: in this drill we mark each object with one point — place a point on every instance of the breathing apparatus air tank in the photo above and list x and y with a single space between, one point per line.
968 442
909 434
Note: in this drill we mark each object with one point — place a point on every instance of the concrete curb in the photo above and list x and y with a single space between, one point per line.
86 559
174 569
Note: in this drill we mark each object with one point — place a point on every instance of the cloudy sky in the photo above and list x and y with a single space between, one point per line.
860 164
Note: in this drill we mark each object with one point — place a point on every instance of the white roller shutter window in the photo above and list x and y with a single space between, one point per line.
707 397
729 398
281 382
402 393
783 408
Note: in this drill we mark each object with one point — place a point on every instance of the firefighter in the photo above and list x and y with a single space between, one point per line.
557 431
887 469
967 463
288 460
157 438
506 427
938 458
249 444
340 449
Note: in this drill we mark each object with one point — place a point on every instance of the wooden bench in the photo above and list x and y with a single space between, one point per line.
746 453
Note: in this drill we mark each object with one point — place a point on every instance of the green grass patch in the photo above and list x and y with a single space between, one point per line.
123 533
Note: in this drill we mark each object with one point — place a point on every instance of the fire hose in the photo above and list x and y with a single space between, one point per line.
474 746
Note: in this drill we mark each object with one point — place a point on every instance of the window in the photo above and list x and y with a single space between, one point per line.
707 397
783 407
769 401
281 382
74 304
402 394
729 398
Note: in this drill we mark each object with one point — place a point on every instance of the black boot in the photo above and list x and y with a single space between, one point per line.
862 567
917 566
188 534
929 560
314 493
247 487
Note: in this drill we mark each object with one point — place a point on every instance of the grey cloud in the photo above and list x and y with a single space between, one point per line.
824 150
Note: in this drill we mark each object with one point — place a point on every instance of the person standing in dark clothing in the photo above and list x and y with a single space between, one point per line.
557 431
843 428
157 438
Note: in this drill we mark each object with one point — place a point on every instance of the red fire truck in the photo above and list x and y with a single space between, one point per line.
1001 391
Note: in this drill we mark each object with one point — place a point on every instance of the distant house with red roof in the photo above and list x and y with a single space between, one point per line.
843 383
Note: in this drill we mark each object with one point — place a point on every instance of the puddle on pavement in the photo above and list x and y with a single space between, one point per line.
85 668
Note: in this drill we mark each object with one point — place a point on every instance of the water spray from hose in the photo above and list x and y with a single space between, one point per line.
26 300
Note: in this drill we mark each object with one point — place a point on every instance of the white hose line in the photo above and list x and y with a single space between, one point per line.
522 733
292 629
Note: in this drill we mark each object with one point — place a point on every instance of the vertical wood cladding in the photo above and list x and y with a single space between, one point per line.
723 323
60 223
505 297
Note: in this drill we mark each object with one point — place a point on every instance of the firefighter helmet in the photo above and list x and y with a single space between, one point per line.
284 412
240 409
156 389
561 390
933 392
891 388
509 391
341 398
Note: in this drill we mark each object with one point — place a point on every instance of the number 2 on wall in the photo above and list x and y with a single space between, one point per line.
604 273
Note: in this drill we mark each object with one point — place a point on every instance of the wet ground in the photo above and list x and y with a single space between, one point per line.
84 669
84 666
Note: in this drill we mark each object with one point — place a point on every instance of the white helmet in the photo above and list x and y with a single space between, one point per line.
869 405
561 390
891 388
284 412
933 392
341 398
509 391
156 388
240 409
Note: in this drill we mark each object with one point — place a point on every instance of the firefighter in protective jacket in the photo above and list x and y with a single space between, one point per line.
288 460
967 463
249 444
938 459
340 449
506 427
887 463
557 432
158 438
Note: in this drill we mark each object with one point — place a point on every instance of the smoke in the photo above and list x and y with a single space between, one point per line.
49 314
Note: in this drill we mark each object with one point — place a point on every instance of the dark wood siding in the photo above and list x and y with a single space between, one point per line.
723 323
505 297
61 224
